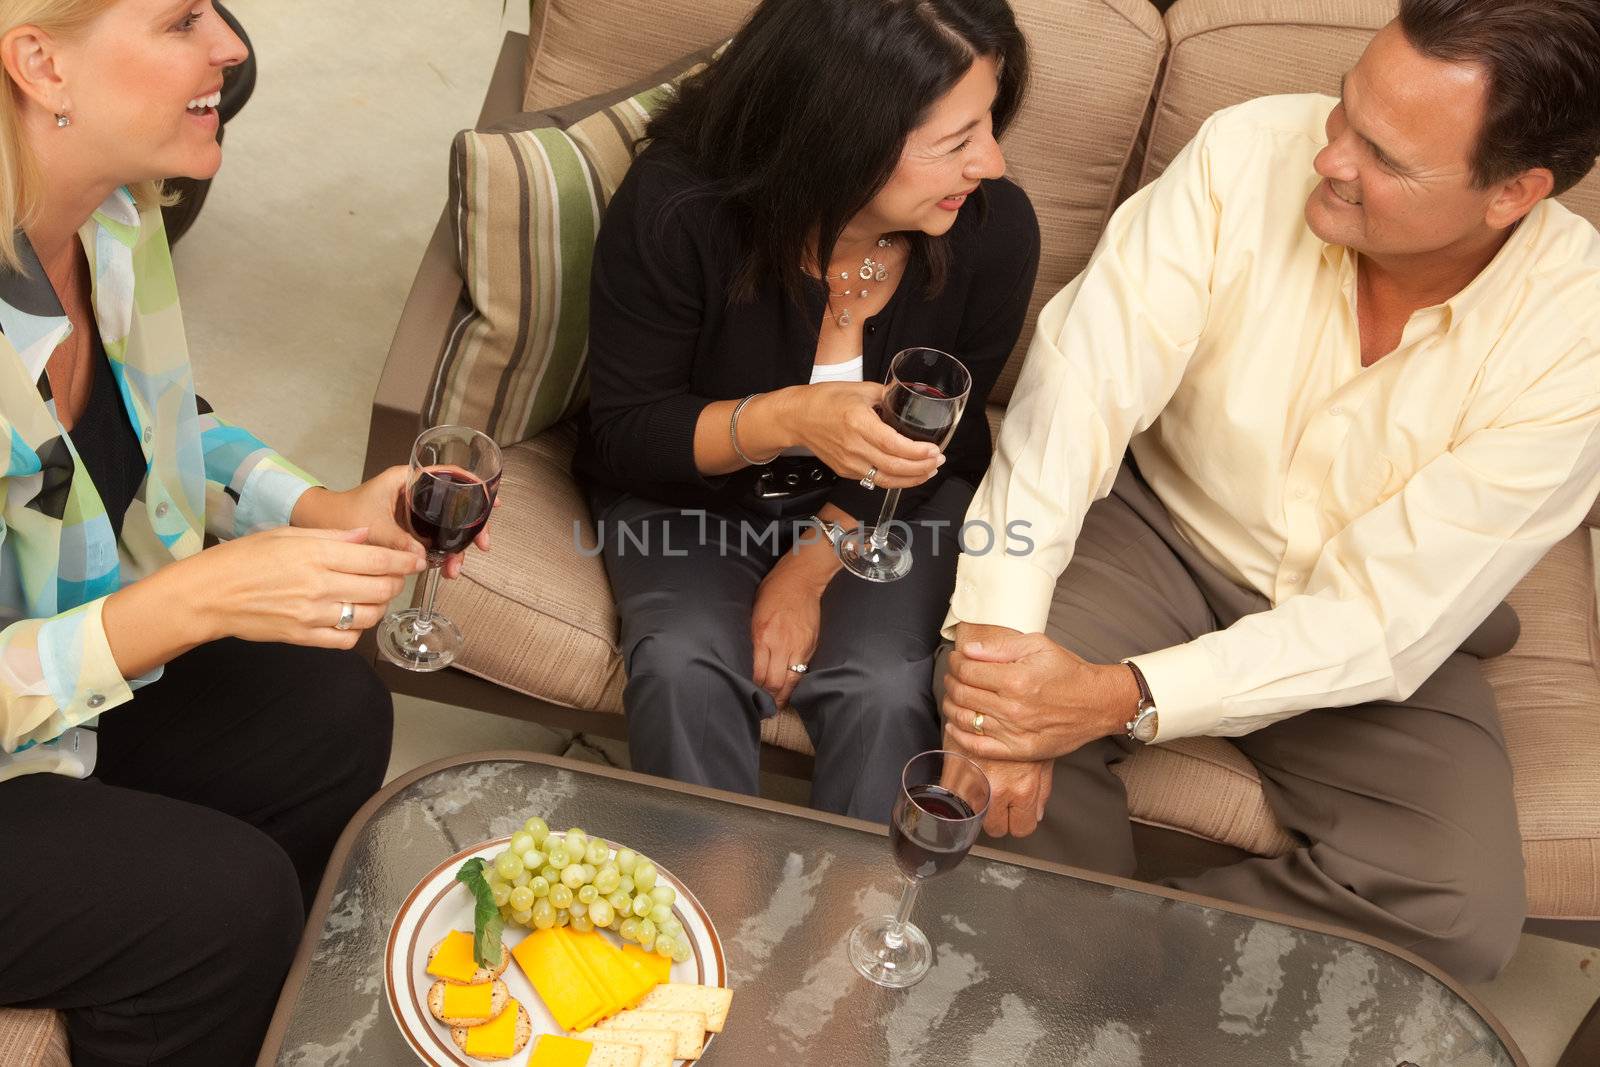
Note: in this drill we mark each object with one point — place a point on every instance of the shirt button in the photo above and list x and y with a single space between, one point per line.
1292 579
1301 492
95 701
149 434
872 328
1336 410
161 510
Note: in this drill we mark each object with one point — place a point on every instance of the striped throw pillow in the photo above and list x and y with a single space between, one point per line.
526 198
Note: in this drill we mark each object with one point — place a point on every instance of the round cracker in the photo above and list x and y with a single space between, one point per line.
458 1034
497 1003
484 974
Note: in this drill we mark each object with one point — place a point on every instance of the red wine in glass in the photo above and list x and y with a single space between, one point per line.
921 412
918 853
448 508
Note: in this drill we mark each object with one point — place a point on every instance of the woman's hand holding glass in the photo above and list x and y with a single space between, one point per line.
839 422
378 504
291 585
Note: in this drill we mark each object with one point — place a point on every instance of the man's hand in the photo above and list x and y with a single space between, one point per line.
1038 701
1017 794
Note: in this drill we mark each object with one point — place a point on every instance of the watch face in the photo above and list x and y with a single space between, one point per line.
1146 726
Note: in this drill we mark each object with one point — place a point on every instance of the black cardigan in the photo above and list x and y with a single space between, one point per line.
665 342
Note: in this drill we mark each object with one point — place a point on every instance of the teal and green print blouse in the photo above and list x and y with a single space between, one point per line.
59 558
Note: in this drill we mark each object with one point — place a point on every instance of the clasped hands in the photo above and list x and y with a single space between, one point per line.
1038 702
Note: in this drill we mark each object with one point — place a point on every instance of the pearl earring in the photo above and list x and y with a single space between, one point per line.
62 122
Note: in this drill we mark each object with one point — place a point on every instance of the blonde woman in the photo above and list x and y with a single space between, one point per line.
183 732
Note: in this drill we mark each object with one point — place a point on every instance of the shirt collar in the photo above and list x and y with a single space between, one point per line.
31 316
1509 262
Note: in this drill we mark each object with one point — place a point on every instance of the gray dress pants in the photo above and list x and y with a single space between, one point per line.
1401 811
685 584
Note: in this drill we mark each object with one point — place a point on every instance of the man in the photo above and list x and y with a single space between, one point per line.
1356 350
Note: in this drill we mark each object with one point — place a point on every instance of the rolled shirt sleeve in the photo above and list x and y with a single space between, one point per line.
1108 352
249 487
55 674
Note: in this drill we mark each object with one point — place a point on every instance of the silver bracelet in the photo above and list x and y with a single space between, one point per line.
733 434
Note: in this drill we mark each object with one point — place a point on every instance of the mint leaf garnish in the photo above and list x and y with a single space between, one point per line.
486 921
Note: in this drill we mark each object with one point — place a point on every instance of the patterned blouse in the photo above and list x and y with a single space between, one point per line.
59 558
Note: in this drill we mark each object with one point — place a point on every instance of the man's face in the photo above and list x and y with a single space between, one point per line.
1397 173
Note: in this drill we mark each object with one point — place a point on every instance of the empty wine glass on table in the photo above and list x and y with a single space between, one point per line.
943 798
455 472
927 392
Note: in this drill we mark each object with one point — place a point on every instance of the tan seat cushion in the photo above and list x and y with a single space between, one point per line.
1070 157
31 1038
1548 692
537 609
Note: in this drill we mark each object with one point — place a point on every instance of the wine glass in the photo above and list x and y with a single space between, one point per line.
927 392
943 798
455 472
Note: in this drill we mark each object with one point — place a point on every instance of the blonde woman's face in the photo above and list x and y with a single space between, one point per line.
132 78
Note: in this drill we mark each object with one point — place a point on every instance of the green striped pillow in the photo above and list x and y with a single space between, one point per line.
526 198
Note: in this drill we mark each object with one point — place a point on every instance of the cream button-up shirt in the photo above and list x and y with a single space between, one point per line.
1382 511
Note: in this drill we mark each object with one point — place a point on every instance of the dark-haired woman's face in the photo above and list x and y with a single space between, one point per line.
944 159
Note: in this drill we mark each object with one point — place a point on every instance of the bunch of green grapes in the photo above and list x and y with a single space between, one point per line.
546 879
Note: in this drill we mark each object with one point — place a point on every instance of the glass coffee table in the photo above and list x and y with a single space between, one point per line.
1035 963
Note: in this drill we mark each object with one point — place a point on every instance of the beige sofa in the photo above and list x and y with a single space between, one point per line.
1118 90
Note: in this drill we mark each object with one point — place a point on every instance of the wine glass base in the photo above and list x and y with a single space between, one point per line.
878 958
886 562
403 646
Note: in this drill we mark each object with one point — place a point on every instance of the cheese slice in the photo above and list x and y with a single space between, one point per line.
553 1051
468 1001
659 966
454 960
623 984
498 1036
564 984
688 1028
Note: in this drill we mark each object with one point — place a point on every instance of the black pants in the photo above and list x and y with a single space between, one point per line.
685 586
158 904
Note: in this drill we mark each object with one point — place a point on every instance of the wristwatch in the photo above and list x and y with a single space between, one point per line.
1146 721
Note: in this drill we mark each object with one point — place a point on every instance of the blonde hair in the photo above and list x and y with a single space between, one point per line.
20 178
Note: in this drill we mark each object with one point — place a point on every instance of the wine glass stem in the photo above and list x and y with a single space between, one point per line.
430 588
880 532
895 937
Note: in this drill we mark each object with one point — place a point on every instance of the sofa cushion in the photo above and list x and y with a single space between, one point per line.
1548 692
526 198
33 1038
1070 158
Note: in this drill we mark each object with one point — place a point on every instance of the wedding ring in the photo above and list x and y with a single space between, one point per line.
870 480
977 724
799 668
347 616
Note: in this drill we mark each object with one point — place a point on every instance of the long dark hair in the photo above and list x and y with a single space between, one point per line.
802 120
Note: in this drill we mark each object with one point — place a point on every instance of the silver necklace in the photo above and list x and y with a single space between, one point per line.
871 270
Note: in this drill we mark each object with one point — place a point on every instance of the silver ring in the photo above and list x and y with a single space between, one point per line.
869 481
347 616
799 668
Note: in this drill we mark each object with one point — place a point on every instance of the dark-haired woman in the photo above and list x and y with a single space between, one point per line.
825 194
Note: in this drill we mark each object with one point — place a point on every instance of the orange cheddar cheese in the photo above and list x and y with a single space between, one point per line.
658 966
454 961
498 1036
622 984
468 1001
561 981
552 1051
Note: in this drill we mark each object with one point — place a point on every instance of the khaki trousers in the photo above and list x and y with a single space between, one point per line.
1402 812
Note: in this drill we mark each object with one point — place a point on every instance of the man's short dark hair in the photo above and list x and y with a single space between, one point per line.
1543 62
